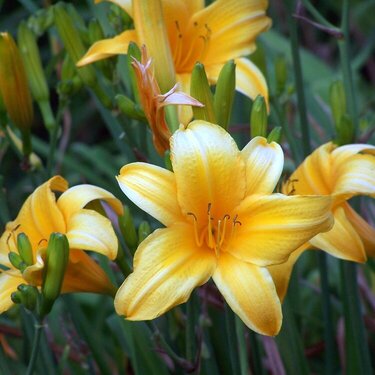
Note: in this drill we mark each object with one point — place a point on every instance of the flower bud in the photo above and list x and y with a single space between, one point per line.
258 117
275 135
143 231
16 260
200 90
24 249
127 229
13 84
54 270
29 296
224 94
129 108
337 101
16 297
151 29
344 131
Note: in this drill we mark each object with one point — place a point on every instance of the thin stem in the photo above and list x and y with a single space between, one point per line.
232 342
36 344
122 262
317 15
255 354
190 328
242 347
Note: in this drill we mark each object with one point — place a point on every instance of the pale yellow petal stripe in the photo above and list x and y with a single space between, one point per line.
208 169
264 164
153 189
167 267
109 47
365 230
88 230
124 4
342 241
79 196
8 285
281 272
274 226
250 292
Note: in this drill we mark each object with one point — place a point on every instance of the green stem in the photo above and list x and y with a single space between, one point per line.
299 81
36 344
190 328
317 15
255 354
242 347
232 342
122 262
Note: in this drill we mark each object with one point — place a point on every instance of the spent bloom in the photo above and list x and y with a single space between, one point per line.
86 229
341 172
212 35
222 221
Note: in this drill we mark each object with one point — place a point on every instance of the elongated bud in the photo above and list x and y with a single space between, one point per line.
344 131
73 43
143 231
16 297
128 230
338 101
54 271
224 94
275 135
133 53
281 74
258 117
29 296
24 249
151 30
200 90
129 108
31 58
14 87
16 260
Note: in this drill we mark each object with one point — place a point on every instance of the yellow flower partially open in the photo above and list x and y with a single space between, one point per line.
342 172
86 229
222 222
212 35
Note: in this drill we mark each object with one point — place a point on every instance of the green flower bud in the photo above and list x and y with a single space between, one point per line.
29 296
128 230
54 270
143 231
15 259
200 90
275 135
259 117
337 101
73 42
224 94
281 73
16 297
344 131
133 52
31 58
129 108
24 249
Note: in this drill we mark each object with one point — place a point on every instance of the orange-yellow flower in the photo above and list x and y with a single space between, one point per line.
342 172
86 229
212 35
222 221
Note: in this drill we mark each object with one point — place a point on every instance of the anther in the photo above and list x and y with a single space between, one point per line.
43 239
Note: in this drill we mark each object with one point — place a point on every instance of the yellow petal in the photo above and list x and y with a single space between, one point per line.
79 196
40 215
264 165
281 272
126 5
8 285
208 168
342 241
250 292
153 189
233 26
273 226
88 230
364 230
167 267
83 274
344 153
109 47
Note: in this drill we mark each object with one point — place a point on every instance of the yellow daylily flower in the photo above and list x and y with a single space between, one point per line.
342 172
85 229
222 221
212 35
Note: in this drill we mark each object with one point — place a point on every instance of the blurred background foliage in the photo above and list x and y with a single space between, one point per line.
95 139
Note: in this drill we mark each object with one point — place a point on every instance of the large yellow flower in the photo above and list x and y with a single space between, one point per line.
41 215
342 172
222 222
212 35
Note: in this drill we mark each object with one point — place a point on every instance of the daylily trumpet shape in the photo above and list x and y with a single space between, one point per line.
222 221
153 102
342 172
85 229
212 35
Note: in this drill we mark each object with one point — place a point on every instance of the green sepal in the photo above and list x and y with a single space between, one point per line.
200 90
224 94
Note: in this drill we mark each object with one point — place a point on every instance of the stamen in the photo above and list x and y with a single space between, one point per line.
211 241
222 237
178 50
43 239
235 221
198 239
